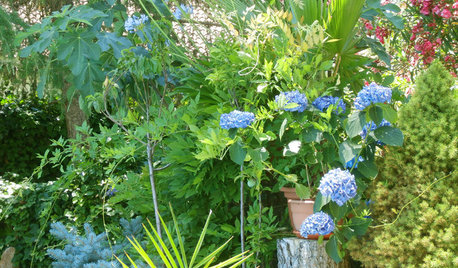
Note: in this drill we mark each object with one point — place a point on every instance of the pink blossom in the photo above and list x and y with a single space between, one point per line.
368 26
446 14
429 59
427 45
437 10
413 37
455 5
424 10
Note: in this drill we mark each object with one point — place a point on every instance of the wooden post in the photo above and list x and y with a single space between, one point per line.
303 253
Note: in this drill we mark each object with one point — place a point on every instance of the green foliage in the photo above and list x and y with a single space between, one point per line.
27 127
174 255
21 219
80 49
88 164
17 77
420 233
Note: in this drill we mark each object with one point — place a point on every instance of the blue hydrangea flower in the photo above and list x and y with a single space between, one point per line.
111 191
339 184
132 23
322 103
293 97
318 223
371 126
370 94
236 119
350 163
186 9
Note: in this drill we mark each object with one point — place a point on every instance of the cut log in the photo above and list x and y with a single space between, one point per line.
303 253
7 258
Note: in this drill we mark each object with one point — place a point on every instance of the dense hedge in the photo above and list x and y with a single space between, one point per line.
425 234
26 129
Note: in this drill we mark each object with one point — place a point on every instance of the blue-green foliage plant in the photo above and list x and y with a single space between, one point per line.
81 251
91 250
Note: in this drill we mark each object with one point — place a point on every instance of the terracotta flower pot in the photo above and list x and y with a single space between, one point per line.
299 210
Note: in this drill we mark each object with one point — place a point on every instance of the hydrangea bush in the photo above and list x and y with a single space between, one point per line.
335 183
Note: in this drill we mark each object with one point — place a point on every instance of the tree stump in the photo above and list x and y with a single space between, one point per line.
7 258
303 253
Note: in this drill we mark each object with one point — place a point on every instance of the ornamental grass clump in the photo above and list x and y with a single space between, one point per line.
318 223
415 203
339 184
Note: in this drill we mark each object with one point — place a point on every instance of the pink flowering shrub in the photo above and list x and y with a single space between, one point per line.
431 32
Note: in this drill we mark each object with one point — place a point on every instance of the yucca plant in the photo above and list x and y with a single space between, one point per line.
174 256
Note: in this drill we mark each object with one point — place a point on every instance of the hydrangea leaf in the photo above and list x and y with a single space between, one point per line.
355 123
312 135
333 250
348 150
320 201
360 225
259 154
389 135
233 132
389 113
337 211
376 114
237 153
368 169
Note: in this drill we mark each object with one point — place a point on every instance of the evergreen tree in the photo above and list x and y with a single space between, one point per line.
91 250
424 232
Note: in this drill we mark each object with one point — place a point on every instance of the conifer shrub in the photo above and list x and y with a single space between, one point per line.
424 233
91 250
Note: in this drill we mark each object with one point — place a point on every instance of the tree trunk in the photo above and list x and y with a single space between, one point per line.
304 253
74 116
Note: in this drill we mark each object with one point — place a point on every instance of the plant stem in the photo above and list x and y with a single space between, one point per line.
149 154
242 239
